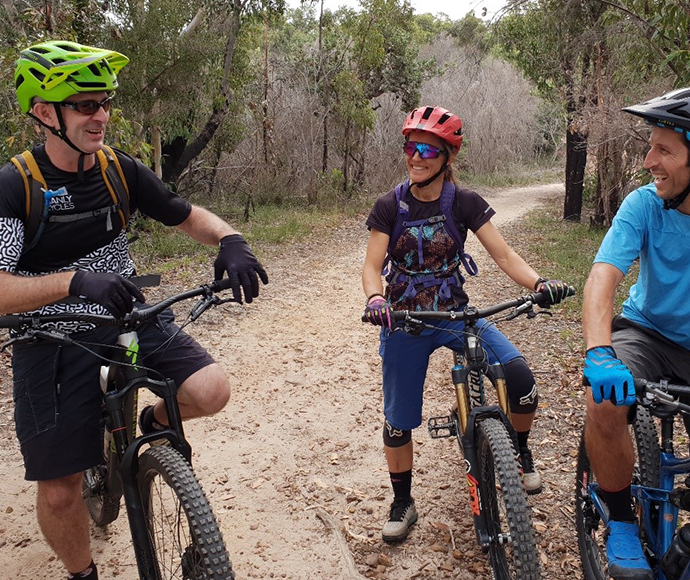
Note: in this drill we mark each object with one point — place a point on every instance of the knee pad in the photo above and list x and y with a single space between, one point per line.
522 389
393 437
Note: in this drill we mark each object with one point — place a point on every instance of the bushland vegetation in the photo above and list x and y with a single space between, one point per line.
245 104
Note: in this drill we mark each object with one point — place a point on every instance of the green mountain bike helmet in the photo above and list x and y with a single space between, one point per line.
58 69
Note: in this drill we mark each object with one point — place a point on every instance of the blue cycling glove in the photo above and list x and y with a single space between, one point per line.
608 377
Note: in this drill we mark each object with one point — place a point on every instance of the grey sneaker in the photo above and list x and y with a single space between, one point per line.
530 476
402 517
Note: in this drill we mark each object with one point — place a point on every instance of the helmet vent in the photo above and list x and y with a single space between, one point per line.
67 47
427 113
18 81
37 74
681 111
40 50
91 85
443 119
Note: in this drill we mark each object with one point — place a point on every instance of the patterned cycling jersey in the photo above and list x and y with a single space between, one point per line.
425 259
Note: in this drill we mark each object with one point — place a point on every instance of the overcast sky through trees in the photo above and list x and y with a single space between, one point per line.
455 9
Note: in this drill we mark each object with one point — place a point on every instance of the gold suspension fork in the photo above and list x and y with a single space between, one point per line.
502 392
461 394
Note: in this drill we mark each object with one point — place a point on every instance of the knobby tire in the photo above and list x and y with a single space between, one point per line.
590 527
513 550
185 535
102 506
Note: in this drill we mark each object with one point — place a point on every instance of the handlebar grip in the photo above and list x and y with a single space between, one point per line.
220 285
10 321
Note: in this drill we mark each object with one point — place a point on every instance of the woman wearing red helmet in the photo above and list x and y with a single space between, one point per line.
418 231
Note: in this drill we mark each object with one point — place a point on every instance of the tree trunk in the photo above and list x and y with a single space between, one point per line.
176 165
575 161
346 155
264 104
609 171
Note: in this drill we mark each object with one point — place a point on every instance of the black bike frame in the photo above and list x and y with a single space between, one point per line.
124 480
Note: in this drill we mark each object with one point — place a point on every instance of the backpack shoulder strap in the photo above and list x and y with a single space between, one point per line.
34 187
115 181
403 212
446 204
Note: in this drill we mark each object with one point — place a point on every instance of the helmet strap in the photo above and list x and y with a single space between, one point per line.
432 178
677 201
62 134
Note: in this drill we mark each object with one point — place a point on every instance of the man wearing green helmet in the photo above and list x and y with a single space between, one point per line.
81 251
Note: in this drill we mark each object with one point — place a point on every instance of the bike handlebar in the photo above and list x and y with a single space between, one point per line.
470 312
20 321
662 396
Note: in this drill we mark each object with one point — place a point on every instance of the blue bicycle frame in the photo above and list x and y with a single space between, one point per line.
658 512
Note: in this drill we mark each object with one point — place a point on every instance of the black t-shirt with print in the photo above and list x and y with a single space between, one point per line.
96 243
64 243
440 253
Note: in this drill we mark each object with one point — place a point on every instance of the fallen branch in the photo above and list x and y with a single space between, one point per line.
420 570
338 529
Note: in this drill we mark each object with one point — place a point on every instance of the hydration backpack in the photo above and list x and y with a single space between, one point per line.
446 206
38 196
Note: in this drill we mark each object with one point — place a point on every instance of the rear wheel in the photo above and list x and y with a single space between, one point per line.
102 507
513 551
187 542
590 527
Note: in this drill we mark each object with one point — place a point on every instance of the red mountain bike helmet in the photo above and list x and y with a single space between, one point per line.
440 122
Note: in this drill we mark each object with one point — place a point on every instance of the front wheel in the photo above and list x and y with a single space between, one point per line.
591 531
512 551
185 536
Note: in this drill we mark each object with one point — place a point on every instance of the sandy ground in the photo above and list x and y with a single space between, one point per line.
299 445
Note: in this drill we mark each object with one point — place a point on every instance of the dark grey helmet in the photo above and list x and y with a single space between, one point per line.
671 110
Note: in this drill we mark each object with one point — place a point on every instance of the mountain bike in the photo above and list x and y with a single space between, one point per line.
174 532
657 501
487 439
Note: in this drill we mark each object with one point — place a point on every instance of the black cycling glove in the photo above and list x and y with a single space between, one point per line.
242 267
115 293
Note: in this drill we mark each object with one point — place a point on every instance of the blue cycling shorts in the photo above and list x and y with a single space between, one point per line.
406 359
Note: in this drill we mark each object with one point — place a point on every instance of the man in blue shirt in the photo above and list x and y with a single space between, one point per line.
651 337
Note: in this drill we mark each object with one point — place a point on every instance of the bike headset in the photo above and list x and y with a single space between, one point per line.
55 70
669 111
437 121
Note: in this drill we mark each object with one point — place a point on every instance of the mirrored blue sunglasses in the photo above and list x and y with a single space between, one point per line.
425 150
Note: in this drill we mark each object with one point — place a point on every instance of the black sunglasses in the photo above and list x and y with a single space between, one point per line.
88 107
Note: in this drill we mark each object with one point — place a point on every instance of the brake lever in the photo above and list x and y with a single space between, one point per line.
412 326
527 307
202 306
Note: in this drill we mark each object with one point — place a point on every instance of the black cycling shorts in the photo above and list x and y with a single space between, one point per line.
57 393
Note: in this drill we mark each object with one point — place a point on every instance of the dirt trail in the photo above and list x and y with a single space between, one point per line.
302 434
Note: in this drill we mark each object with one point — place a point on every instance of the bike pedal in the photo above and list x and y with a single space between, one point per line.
440 427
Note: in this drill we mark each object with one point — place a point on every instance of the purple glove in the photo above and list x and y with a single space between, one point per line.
554 289
115 293
378 312
235 258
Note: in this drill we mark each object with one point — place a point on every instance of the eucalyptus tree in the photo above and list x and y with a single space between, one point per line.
554 43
